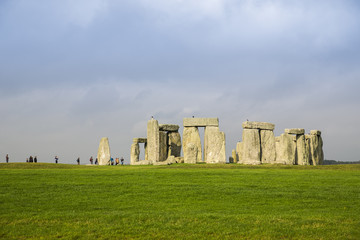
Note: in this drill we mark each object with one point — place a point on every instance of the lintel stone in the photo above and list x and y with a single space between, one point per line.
139 140
168 127
315 132
201 122
258 125
297 131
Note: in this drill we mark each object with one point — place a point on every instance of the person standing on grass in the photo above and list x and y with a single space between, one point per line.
7 158
56 159
122 161
96 161
112 161
78 161
116 161
35 159
31 159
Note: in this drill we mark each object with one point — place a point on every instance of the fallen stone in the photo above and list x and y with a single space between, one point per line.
168 127
103 155
143 162
268 151
258 125
296 131
200 122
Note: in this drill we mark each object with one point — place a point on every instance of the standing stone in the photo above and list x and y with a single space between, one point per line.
214 145
135 153
146 152
174 144
163 145
191 153
153 146
287 149
103 155
268 151
302 155
239 152
316 144
321 152
191 135
234 156
307 149
251 146
278 150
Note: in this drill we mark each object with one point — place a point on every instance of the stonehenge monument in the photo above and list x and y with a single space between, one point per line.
103 155
293 147
214 141
163 145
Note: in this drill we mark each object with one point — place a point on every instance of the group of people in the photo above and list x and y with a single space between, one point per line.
116 161
32 159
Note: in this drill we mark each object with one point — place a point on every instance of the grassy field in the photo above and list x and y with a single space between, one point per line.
48 201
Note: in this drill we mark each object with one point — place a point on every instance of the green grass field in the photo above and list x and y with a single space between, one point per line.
48 201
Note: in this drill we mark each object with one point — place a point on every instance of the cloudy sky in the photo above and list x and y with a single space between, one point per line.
72 72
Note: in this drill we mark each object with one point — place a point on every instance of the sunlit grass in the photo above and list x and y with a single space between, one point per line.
179 202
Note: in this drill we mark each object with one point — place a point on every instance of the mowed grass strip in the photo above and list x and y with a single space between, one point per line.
180 201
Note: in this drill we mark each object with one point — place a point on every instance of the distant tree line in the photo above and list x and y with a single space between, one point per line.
334 162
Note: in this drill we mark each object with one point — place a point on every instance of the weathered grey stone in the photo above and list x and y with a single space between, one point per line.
153 146
214 145
295 131
286 149
142 162
278 150
135 153
258 125
200 122
239 152
234 156
146 151
139 140
315 132
321 152
307 149
191 152
163 154
174 144
168 127
302 156
103 155
191 135
179 159
268 151
251 146
316 149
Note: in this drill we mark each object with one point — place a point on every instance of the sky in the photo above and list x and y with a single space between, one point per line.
72 72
